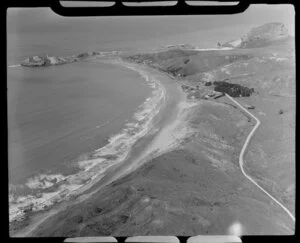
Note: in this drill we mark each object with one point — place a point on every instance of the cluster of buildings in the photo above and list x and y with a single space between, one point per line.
212 94
196 92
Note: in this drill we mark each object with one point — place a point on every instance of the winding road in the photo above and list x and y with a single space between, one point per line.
241 158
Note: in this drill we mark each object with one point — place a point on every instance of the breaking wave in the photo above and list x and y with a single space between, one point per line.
48 189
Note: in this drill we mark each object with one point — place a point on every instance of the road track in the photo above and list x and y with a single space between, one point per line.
241 158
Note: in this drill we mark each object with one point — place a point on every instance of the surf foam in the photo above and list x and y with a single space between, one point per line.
91 170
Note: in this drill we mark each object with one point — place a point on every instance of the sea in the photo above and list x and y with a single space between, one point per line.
63 120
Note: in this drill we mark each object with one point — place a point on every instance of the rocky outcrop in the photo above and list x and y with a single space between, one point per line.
234 90
43 61
260 36
39 61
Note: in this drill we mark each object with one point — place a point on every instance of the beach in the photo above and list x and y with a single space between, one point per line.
187 169
51 140
153 131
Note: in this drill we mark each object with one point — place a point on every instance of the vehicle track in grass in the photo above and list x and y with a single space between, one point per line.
241 157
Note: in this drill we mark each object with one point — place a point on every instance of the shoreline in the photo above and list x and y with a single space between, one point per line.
88 167
98 176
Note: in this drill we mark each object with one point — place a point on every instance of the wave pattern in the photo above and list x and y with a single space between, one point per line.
48 189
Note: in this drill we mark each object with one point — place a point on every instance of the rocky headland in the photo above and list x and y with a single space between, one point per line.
46 60
260 36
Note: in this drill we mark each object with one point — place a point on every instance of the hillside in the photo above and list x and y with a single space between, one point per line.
269 69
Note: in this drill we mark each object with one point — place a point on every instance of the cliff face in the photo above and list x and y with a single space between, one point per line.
260 36
39 61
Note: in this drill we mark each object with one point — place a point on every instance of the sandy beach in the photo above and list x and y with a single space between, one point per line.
163 134
167 194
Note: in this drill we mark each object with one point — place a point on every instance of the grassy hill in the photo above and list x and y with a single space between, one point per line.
269 68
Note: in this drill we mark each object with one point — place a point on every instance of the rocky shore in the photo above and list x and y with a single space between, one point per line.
44 61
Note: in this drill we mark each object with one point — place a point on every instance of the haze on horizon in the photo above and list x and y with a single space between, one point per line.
22 19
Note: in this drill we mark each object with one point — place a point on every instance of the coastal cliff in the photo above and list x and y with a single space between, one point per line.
264 35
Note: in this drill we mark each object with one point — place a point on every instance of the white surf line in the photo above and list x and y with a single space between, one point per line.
241 160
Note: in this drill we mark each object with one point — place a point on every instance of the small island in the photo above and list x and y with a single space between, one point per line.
44 61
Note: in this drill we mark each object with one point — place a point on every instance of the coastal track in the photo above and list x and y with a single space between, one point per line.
241 158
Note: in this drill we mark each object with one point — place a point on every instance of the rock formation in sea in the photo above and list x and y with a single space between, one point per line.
38 61
42 61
